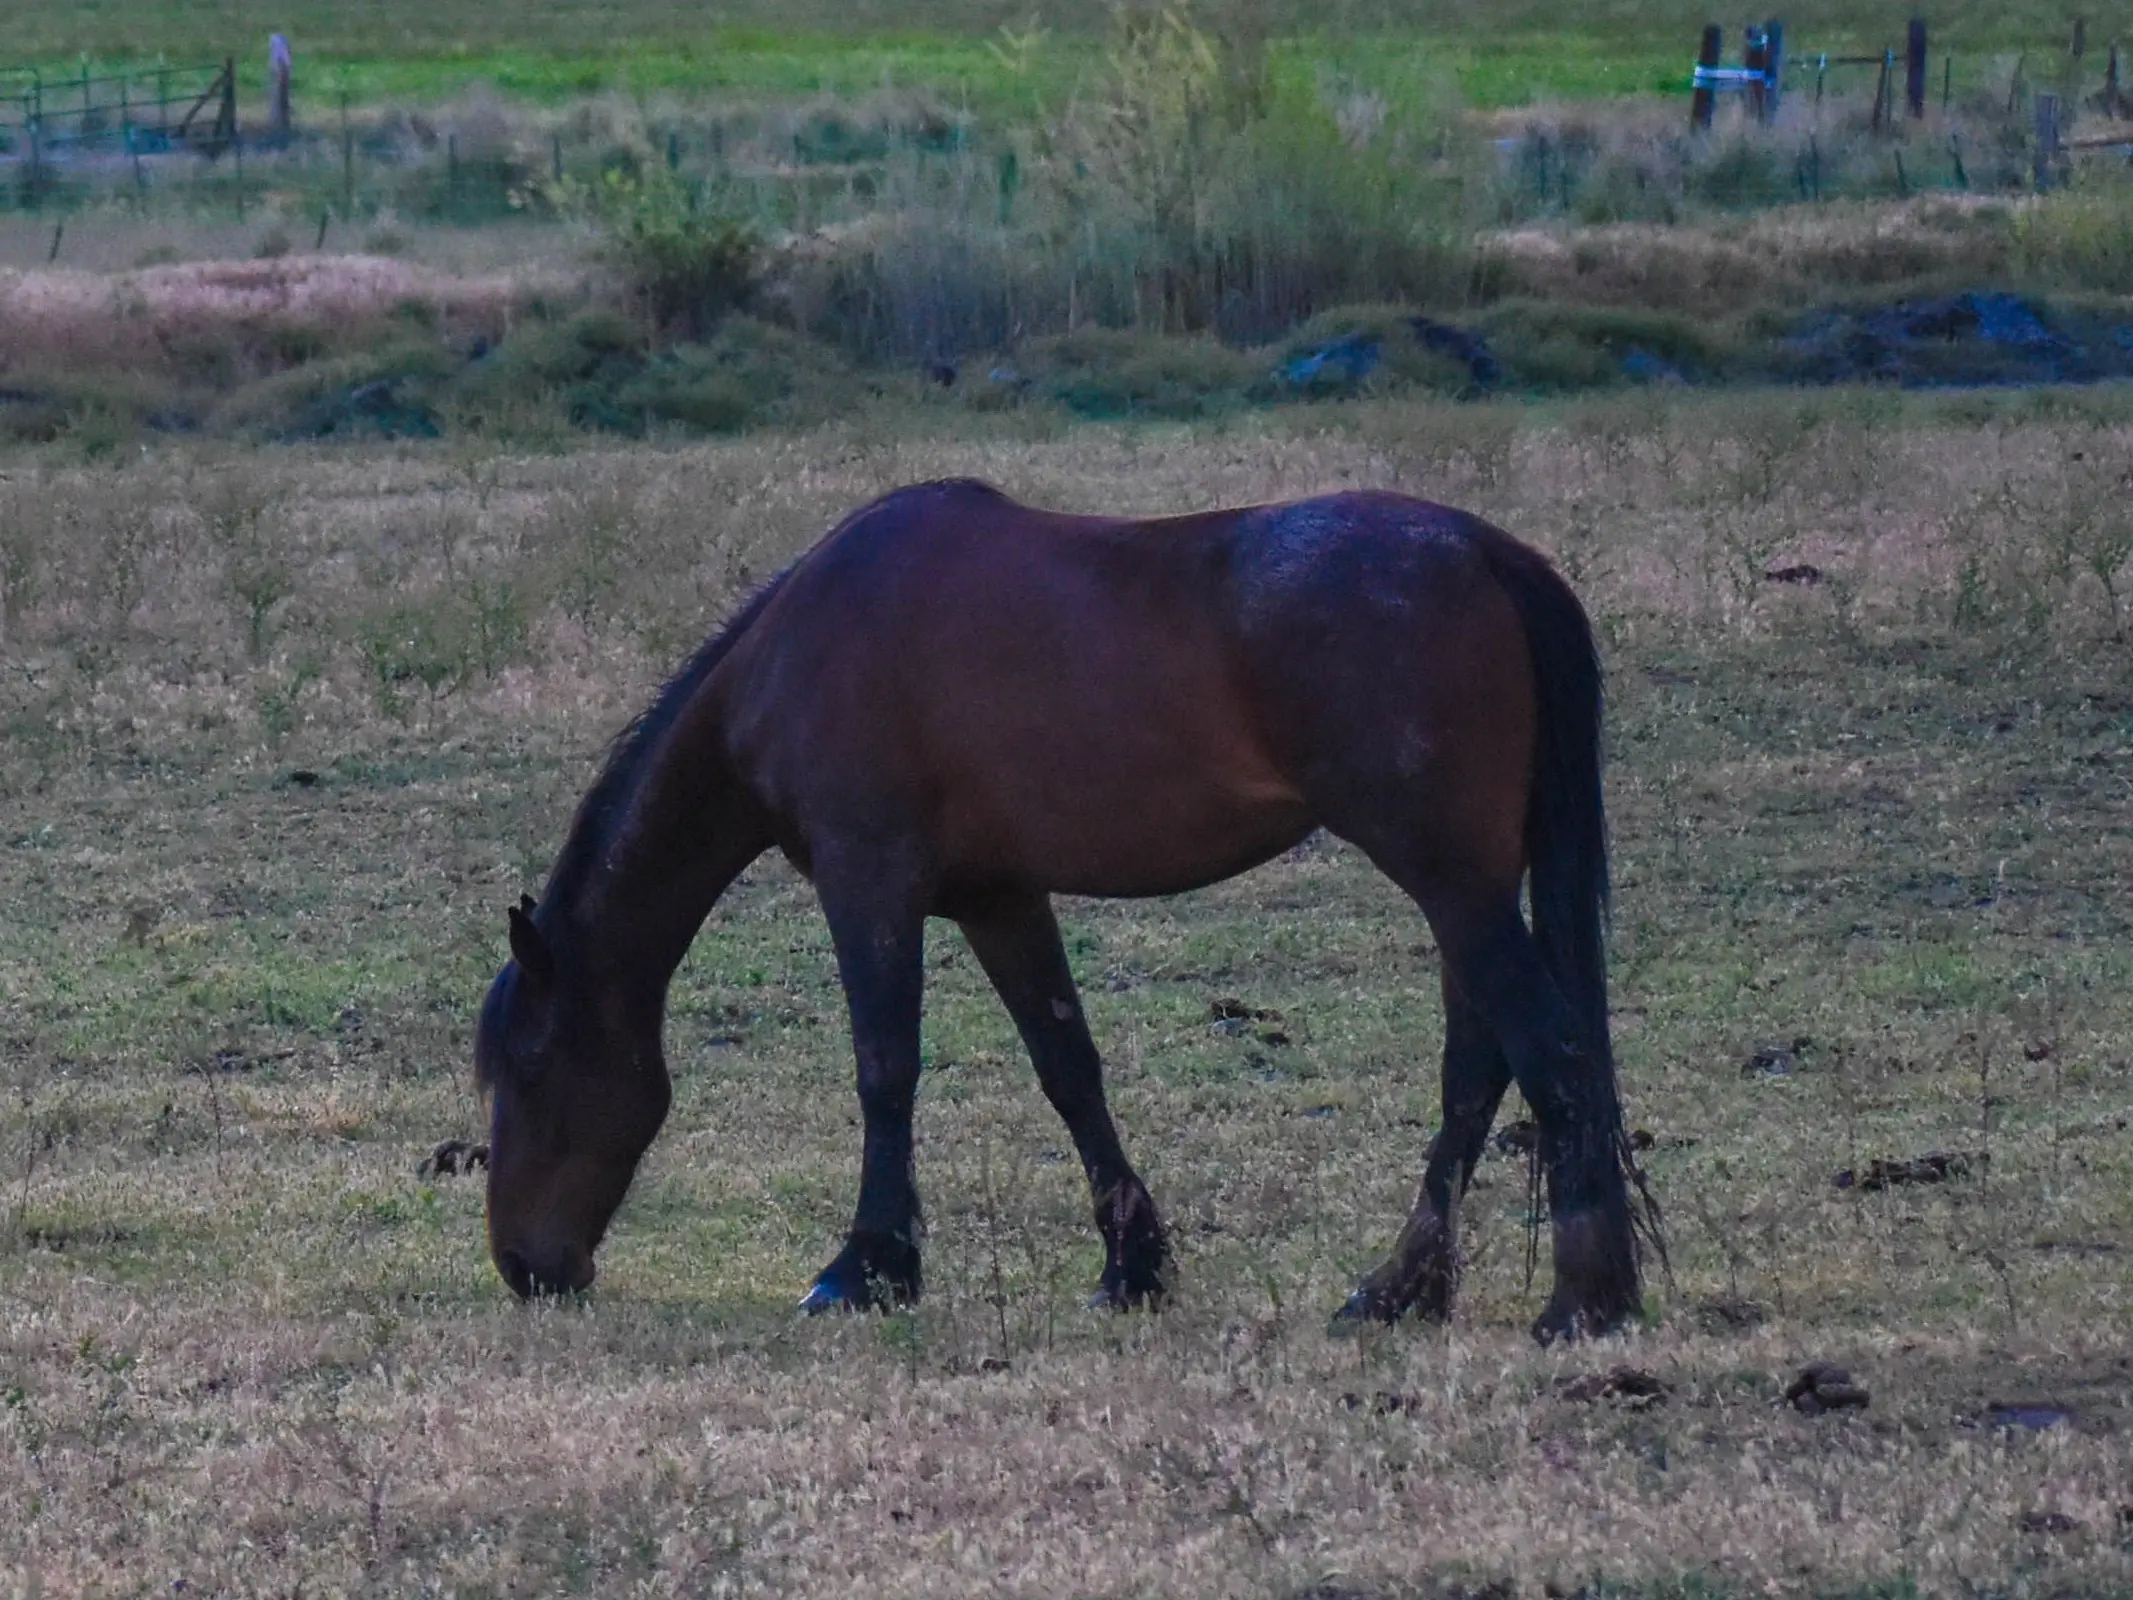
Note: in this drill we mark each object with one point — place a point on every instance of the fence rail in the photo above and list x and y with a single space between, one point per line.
140 111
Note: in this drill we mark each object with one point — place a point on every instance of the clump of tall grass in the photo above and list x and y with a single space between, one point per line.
1197 185
2081 237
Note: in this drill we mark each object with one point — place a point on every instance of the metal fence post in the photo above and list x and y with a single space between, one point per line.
1914 68
1755 58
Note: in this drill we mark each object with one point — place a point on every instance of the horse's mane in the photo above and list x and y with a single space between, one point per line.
607 801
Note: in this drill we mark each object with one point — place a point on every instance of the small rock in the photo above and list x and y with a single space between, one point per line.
1632 1388
1803 574
1775 1060
2033 1417
2046 1522
1729 1314
1384 1403
1518 1138
1822 1386
1933 1167
453 1157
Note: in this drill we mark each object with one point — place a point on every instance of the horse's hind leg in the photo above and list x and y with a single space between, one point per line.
1422 1273
1017 943
1494 961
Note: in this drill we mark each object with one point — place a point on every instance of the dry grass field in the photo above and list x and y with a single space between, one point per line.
285 733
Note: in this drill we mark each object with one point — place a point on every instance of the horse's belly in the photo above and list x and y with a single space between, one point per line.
1119 829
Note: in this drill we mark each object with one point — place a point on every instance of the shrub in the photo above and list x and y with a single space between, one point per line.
600 366
690 264
1553 347
748 374
1105 372
1366 350
386 393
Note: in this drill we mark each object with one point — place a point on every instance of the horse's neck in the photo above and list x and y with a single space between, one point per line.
683 832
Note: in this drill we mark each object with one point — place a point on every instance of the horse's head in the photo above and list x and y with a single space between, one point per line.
578 1090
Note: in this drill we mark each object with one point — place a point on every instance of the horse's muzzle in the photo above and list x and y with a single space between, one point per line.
531 1280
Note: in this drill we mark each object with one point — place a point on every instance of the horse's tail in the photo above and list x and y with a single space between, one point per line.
1566 814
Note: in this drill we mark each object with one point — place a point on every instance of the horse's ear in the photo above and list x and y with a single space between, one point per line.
528 948
528 904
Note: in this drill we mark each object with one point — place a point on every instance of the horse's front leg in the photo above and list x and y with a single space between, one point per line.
877 922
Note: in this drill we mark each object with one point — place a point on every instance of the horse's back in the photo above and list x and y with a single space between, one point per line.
1114 705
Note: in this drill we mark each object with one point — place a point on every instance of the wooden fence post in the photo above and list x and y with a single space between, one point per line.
1914 68
1774 64
2047 139
1706 97
226 113
1755 57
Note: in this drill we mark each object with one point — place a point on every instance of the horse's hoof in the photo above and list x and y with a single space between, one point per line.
830 1294
1571 1324
1366 1305
873 1272
1125 1297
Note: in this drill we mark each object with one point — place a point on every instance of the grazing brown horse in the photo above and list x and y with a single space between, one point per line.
957 706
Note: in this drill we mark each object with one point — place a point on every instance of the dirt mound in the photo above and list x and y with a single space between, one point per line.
1965 340
80 317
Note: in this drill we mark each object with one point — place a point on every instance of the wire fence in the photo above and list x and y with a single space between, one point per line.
79 127
167 139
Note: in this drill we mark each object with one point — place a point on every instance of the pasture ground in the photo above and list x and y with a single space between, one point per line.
286 733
